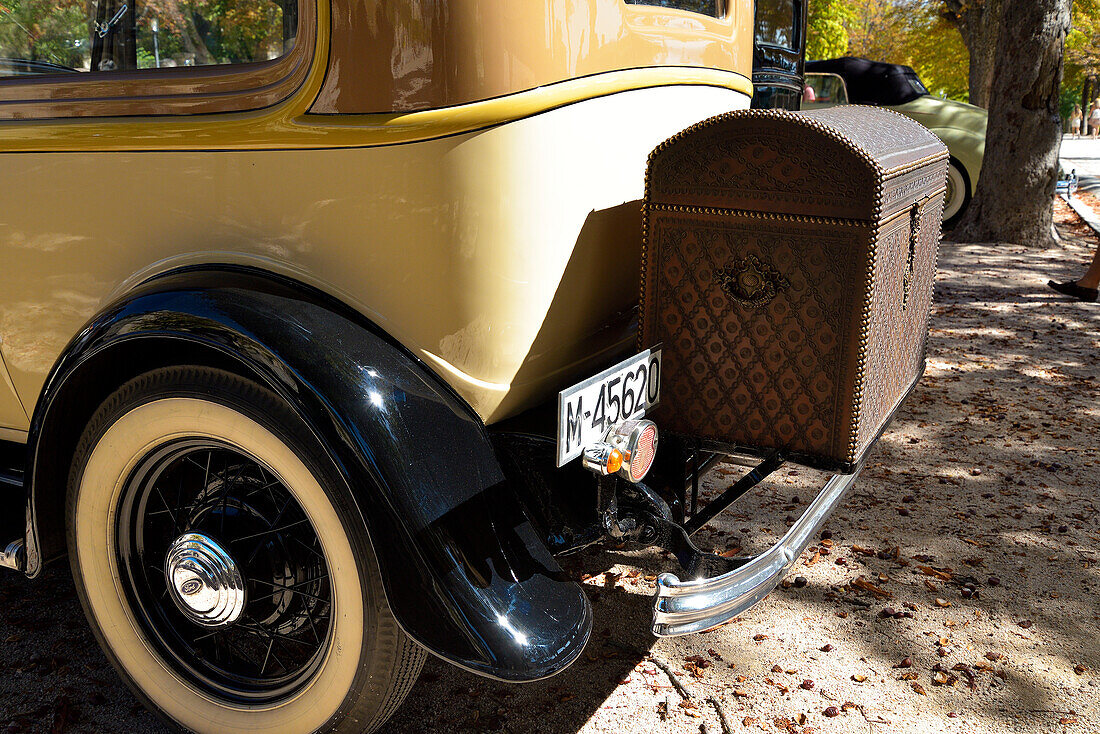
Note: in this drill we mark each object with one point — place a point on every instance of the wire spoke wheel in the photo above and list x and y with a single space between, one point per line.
222 565
226 574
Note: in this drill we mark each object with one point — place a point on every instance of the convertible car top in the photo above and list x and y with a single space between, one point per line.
873 82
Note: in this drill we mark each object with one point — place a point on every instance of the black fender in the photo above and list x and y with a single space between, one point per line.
465 571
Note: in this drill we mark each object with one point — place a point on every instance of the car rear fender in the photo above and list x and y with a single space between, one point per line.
465 572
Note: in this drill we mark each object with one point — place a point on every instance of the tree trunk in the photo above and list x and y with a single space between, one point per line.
1014 198
983 51
978 23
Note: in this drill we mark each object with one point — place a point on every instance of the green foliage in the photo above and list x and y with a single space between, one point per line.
911 32
1083 42
935 50
1067 99
44 30
1082 52
827 32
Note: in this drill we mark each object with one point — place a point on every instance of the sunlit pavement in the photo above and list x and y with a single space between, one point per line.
1083 155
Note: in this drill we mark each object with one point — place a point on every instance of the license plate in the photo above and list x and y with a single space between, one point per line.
624 392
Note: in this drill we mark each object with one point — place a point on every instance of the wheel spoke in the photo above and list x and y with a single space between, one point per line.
313 628
314 551
283 562
292 588
274 530
164 502
274 635
226 486
281 587
263 666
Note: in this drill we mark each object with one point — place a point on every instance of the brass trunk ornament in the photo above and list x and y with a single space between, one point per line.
750 282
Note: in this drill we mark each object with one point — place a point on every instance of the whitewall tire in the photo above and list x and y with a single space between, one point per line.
196 487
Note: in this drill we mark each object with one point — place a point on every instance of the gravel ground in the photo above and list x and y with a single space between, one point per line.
956 590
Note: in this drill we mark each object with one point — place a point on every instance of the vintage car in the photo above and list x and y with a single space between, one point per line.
960 126
327 326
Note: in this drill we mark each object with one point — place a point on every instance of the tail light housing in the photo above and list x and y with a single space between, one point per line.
628 450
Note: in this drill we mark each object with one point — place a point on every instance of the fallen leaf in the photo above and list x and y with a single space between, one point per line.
861 583
929 571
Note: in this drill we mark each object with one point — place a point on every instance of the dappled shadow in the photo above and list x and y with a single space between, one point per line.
985 483
985 487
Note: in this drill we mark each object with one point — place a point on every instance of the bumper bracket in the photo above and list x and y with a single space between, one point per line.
697 605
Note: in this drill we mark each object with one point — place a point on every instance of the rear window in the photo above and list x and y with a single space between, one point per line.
713 8
69 36
777 23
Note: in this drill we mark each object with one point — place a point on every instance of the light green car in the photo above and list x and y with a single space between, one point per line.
960 126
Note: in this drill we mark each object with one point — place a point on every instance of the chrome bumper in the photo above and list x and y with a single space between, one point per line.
684 607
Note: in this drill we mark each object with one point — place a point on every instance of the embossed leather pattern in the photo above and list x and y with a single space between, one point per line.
791 318
799 163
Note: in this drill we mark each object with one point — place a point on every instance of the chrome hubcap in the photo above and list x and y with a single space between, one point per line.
204 581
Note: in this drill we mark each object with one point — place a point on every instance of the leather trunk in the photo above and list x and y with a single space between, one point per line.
788 267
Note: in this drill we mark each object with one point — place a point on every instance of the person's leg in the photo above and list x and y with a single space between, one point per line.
1091 278
1087 287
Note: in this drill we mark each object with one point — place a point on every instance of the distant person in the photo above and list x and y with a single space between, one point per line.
1094 118
808 94
1075 121
1084 288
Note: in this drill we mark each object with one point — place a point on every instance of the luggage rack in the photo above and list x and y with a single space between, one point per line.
695 517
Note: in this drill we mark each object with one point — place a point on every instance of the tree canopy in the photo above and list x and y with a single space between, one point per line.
912 32
1083 43
828 29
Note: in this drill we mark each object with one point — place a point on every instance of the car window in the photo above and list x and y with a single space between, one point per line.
66 36
713 8
916 84
777 23
828 88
